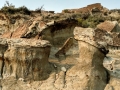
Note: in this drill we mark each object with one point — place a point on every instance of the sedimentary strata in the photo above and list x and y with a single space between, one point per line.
91 59
25 58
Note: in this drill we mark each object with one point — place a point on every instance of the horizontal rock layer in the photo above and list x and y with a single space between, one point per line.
25 58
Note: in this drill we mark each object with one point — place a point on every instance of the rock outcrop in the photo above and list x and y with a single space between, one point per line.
25 58
9 23
96 7
3 48
109 26
91 71
67 45
112 64
43 50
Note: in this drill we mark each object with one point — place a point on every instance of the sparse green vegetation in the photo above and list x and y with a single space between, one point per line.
80 20
10 9
91 21
85 24
66 11
39 9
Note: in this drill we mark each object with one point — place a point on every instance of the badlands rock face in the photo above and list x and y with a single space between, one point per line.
24 60
91 59
52 51
27 59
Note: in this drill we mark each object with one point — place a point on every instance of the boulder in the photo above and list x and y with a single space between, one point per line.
27 59
109 26
96 37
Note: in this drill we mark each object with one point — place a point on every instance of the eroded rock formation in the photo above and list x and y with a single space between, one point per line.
67 45
25 63
109 26
91 60
86 9
3 48
27 59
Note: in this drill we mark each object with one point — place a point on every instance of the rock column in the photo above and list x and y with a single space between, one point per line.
27 59
92 53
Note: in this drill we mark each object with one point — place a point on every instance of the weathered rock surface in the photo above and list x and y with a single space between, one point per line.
109 26
25 63
91 60
9 23
3 48
86 9
27 59
67 45
112 64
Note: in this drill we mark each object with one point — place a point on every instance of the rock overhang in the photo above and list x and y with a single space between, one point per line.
89 35
94 37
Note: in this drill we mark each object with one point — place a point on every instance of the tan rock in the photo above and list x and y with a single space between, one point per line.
27 30
3 48
98 38
90 71
27 59
108 87
115 14
109 26
114 83
6 35
20 31
66 46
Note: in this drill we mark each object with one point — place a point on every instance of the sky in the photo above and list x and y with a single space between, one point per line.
59 5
